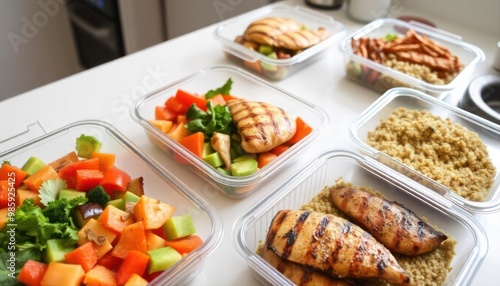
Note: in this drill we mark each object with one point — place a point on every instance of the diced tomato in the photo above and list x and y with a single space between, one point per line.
188 99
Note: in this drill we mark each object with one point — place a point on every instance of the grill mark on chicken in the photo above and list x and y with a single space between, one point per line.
299 274
262 126
341 250
395 226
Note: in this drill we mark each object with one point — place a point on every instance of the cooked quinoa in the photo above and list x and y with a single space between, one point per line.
440 149
427 269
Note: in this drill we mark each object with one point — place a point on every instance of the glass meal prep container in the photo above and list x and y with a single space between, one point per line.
273 68
250 229
159 183
488 132
246 86
381 77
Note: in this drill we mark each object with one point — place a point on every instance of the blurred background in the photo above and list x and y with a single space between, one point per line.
45 40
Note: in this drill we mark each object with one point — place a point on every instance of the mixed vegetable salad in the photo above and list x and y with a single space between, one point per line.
81 220
196 121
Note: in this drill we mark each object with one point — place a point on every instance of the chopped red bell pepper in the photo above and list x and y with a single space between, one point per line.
12 173
115 179
163 113
188 99
68 172
88 179
174 105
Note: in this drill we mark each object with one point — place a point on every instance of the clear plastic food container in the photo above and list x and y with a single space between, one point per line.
488 132
246 86
159 183
270 68
381 78
250 229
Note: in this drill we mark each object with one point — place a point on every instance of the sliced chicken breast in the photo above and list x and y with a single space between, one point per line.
333 245
262 126
395 226
265 31
301 39
302 275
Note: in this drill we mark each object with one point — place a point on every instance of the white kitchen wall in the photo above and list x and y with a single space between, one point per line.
36 45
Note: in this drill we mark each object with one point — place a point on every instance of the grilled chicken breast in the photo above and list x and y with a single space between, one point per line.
301 39
262 126
265 31
302 275
333 245
395 226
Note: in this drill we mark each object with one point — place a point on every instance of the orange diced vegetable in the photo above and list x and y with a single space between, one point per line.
303 129
152 212
100 276
218 100
5 189
3 217
14 173
136 280
34 181
194 143
84 255
97 229
163 125
22 195
133 238
32 272
115 219
185 244
280 149
135 262
106 160
153 240
69 158
102 249
63 274
178 131
265 158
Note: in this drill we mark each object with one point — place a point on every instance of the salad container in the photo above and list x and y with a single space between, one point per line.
271 68
361 69
159 183
488 132
246 86
250 229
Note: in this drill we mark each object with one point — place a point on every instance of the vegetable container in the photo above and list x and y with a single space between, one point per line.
361 69
488 132
270 68
251 228
246 86
159 183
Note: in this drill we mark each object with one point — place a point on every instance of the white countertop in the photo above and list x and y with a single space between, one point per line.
106 93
